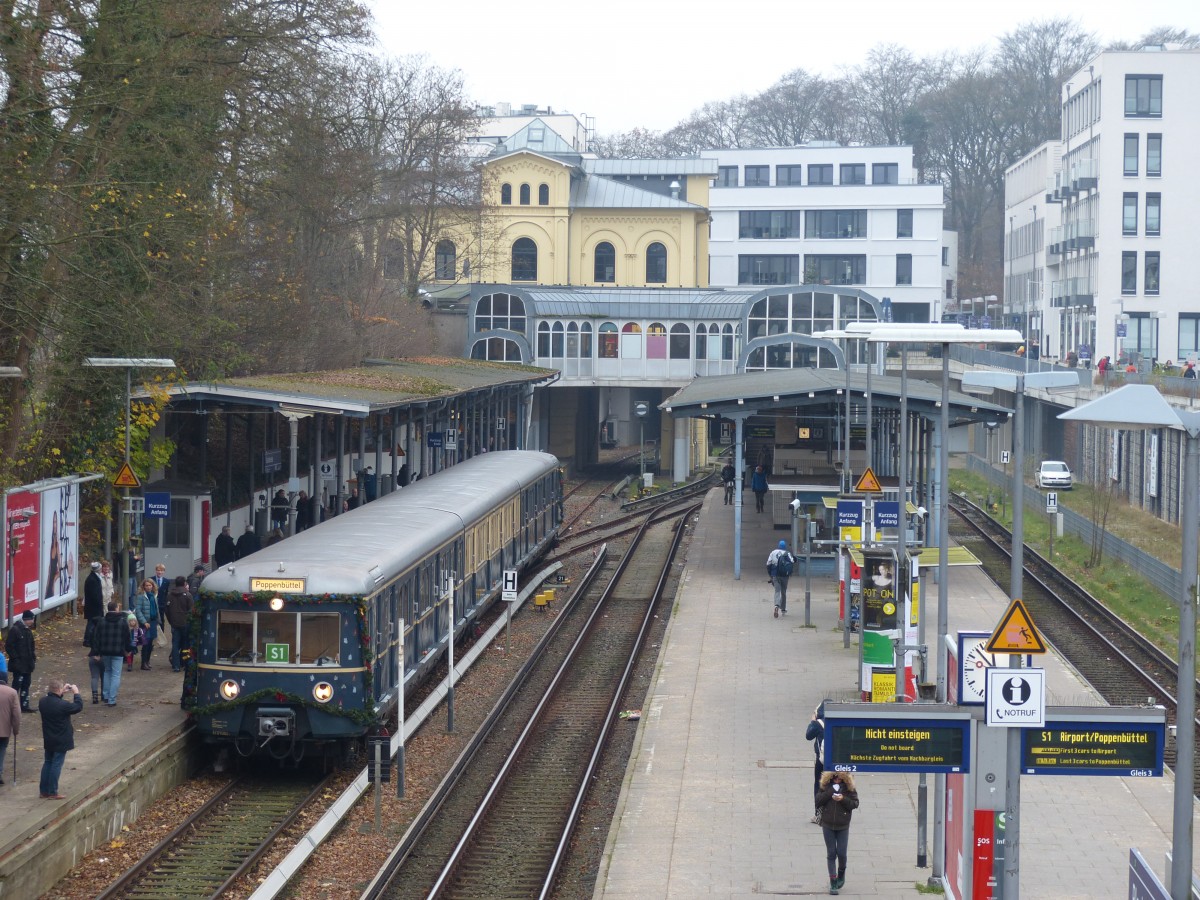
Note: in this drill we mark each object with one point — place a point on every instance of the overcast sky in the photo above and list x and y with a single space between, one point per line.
650 63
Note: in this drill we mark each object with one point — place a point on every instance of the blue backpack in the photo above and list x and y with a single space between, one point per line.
784 564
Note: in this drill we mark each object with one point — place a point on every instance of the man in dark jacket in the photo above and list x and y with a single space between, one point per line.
58 736
22 656
111 640
93 594
248 543
179 608
225 550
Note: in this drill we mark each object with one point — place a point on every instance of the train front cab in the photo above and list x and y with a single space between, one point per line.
280 675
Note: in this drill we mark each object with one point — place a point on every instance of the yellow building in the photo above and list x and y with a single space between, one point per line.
552 216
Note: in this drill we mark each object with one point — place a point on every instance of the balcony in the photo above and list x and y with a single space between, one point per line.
1055 247
1080 235
1069 292
1085 175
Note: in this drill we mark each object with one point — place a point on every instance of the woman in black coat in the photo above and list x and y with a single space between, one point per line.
836 800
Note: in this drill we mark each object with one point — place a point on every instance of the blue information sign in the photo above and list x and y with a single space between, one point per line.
887 514
849 514
898 745
1094 748
433 440
158 505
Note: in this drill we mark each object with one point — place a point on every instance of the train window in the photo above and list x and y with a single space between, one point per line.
276 638
235 635
319 639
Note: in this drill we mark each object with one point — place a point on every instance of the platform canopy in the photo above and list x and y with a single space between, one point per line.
731 396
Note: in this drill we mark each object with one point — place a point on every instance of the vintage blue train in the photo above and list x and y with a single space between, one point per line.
295 647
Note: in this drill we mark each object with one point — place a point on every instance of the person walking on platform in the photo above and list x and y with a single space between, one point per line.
194 580
837 799
146 608
248 543
758 484
179 609
729 479
93 594
816 733
58 736
224 550
10 718
111 640
95 663
22 656
779 569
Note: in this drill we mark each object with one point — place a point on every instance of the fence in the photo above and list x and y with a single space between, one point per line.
1152 569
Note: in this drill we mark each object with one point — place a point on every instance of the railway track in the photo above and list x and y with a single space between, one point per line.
1123 666
500 821
220 841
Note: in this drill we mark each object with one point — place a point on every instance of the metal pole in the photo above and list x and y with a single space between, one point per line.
1185 734
123 536
846 482
378 785
450 674
293 438
1011 886
739 465
642 455
808 570
400 786
943 509
870 422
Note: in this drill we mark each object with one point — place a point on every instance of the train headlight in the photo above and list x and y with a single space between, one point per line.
322 691
229 689
277 603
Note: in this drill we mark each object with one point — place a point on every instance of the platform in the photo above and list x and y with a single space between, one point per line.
717 797
109 742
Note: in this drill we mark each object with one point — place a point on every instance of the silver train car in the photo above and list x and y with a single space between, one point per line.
297 648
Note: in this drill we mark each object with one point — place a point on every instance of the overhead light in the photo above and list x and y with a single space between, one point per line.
704 406
776 398
811 395
741 402
296 409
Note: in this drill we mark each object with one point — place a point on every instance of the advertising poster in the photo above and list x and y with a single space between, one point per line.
21 566
879 607
59 526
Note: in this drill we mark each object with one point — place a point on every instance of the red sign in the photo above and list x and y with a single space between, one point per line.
22 564
984 881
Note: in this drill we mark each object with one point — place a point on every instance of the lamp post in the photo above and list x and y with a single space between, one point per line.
1140 407
641 407
1017 383
128 364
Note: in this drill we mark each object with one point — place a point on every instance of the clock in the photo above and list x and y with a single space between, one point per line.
974 661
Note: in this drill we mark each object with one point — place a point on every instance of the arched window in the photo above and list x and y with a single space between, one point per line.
656 341
608 341
524 260
631 341
506 194
585 341
727 343
556 341
500 311
680 339
524 195
634 328
543 340
497 350
445 260
543 195
656 264
701 341
606 263
572 341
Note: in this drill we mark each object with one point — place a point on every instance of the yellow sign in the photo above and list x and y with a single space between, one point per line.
868 483
883 686
279 585
1016 632
125 478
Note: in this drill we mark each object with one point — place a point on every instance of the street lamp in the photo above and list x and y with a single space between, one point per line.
128 364
1016 383
641 407
1140 407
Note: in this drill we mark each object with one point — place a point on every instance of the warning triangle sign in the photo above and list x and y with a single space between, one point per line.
868 483
1016 633
125 478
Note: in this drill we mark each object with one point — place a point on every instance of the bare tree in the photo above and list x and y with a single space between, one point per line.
888 86
638 143
1156 37
785 114
718 124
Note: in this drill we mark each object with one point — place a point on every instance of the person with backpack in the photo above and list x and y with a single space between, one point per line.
780 565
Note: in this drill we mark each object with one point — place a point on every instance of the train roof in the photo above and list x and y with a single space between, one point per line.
353 552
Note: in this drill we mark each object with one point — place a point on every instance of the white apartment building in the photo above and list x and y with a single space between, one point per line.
1122 266
823 213
1029 220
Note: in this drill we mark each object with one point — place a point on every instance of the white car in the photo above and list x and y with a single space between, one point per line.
1054 473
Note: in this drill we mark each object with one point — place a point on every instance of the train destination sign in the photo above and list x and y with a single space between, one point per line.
897 745
1103 748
